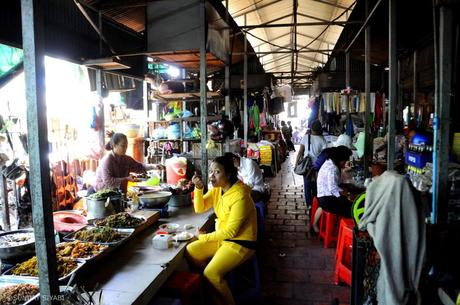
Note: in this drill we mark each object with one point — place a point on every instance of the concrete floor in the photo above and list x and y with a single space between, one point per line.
295 268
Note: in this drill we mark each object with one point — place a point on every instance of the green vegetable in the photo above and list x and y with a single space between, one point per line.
104 194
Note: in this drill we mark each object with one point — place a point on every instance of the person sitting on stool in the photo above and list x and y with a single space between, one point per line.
251 175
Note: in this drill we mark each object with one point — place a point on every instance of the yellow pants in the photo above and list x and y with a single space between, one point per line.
225 257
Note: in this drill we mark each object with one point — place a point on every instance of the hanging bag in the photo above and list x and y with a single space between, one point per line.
305 166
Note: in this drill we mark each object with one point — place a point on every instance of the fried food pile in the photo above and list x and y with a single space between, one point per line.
30 267
78 249
17 294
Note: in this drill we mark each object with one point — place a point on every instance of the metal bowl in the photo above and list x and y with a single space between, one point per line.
23 250
155 200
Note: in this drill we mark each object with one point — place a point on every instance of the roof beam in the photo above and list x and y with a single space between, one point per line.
314 38
311 59
333 4
276 59
281 25
273 39
294 59
314 18
260 20
283 51
255 8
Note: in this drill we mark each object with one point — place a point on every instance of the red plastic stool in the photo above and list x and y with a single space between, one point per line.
184 284
328 228
344 252
344 222
314 207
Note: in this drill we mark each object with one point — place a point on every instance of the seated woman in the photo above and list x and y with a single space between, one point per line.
331 197
115 167
234 239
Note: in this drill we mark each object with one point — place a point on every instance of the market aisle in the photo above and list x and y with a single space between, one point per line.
295 269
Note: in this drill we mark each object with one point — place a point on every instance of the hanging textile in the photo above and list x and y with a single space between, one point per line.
254 115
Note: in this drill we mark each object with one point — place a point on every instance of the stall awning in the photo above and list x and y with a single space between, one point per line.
11 60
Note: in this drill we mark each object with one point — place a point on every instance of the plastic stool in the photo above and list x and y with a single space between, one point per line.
344 252
184 284
328 228
344 222
244 281
314 207
260 220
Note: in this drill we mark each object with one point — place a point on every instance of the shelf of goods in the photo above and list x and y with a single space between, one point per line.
178 131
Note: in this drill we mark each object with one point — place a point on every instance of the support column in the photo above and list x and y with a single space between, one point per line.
414 85
442 109
347 85
100 107
42 214
392 48
203 95
367 85
4 201
245 88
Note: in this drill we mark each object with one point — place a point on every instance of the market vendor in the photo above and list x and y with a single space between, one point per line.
400 144
251 175
234 239
115 167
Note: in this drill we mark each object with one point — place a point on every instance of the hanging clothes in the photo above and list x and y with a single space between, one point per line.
254 115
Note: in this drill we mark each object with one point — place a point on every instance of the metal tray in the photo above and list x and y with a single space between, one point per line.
19 250
93 221
6 281
125 232
64 279
84 258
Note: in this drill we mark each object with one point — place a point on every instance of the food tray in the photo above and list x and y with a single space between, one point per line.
6 281
84 258
92 222
64 279
125 232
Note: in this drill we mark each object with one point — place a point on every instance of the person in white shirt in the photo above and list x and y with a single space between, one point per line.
311 145
251 175
331 197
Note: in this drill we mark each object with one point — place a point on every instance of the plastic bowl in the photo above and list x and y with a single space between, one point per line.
170 227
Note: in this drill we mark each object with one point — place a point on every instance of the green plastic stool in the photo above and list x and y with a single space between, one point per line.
358 207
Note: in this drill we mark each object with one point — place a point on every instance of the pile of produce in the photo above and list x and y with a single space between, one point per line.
103 194
182 187
78 249
17 294
120 220
16 239
30 267
99 234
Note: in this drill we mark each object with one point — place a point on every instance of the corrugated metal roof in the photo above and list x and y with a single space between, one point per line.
277 38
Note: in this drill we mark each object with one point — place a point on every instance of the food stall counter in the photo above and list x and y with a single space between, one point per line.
136 271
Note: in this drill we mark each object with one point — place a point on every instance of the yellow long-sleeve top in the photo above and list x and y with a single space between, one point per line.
235 211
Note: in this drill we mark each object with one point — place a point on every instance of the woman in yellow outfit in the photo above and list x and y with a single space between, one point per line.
234 239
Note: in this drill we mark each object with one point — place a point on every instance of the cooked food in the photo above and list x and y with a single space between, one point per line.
120 220
78 249
17 294
103 194
16 239
99 234
30 267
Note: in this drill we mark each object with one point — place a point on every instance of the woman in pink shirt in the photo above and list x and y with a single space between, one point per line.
115 167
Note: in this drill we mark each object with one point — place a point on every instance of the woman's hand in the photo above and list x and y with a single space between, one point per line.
196 179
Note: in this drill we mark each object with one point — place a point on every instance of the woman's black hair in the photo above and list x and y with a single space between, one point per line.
230 170
339 154
116 139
